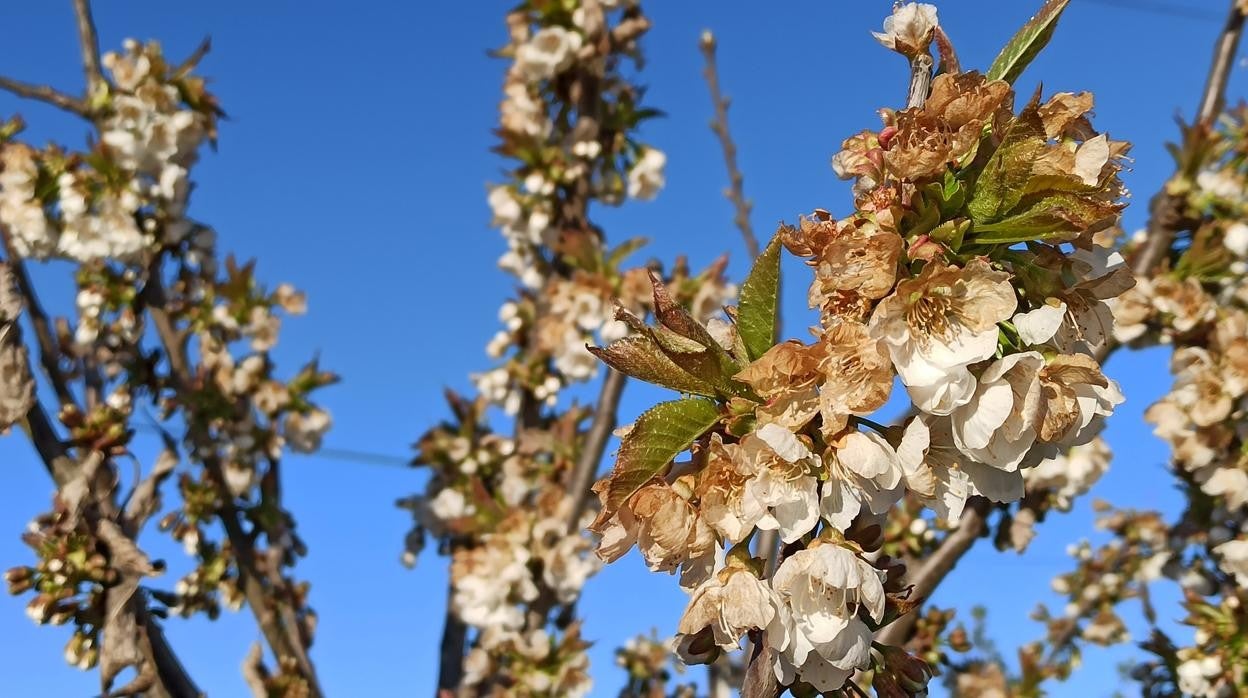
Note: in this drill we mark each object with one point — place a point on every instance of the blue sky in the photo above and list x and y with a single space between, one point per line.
354 165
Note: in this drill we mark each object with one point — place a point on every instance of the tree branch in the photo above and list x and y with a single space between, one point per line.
171 674
605 418
89 43
719 126
583 90
280 629
451 650
44 93
938 565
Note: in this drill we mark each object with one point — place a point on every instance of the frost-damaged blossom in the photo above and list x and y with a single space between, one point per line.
909 29
938 324
974 268
1194 301
666 529
729 604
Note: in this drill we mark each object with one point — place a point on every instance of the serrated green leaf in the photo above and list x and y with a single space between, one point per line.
660 434
1004 178
677 335
758 316
1054 217
639 357
698 361
1024 46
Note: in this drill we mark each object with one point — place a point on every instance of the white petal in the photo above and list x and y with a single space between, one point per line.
993 483
783 442
1038 326
1090 158
954 389
851 649
975 422
839 505
867 456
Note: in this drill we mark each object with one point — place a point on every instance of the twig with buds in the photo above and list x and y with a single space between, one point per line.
719 126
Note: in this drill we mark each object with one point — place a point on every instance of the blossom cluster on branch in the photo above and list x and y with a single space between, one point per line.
505 507
972 270
145 272
1195 302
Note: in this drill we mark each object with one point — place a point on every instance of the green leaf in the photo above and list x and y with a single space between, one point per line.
1004 178
639 357
1027 43
758 317
660 434
689 344
1055 217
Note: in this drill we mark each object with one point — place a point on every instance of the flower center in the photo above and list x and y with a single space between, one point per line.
933 314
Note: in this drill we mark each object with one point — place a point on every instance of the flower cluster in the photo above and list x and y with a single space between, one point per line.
587 153
972 270
501 507
146 272
133 190
496 506
570 151
1195 302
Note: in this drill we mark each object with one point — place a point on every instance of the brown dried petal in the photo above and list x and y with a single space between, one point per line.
17 386
963 99
10 298
864 265
1064 114
786 367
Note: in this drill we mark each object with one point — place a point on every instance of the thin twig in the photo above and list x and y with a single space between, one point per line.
719 126
44 93
196 56
605 418
451 650
89 43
